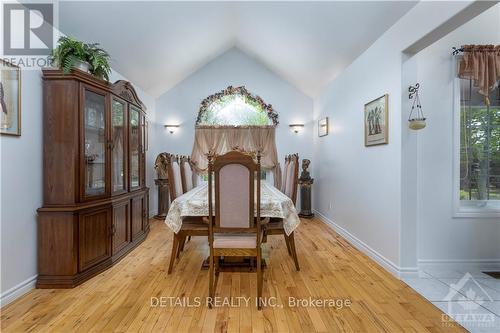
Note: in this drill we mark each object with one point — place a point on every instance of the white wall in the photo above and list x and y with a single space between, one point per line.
441 238
180 104
364 192
358 187
21 188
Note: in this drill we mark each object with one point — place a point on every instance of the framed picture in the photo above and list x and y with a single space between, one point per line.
377 121
323 127
10 99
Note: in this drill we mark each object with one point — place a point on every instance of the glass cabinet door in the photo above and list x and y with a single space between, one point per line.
95 143
135 143
118 147
144 146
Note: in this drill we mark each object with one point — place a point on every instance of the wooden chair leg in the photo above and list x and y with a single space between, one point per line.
287 242
291 240
252 264
173 255
181 245
211 280
216 274
216 264
259 279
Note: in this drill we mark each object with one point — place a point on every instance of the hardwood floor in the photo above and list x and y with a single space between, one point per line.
120 299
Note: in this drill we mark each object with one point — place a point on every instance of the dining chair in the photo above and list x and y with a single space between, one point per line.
235 227
188 177
191 226
174 176
292 177
285 173
275 225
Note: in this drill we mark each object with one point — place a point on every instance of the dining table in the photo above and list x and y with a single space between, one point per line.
273 203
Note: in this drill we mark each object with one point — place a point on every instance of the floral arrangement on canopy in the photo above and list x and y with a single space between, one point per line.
249 98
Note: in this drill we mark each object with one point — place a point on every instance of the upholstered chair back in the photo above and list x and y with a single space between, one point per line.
289 178
174 176
234 196
285 173
187 174
292 178
177 179
236 187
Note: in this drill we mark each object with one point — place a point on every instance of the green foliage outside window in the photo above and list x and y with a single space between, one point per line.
235 110
479 146
236 106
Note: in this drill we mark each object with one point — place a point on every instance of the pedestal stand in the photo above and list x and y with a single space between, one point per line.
305 182
163 199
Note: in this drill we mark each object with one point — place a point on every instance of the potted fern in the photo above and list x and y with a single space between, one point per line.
72 53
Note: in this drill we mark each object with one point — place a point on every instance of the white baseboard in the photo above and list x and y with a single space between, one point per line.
460 264
388 265
17 291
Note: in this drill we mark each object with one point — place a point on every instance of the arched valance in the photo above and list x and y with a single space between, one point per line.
235 119
219 140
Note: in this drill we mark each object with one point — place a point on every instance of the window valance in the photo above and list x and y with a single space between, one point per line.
481 63
221 139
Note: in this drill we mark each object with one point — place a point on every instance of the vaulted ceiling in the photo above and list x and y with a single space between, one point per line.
158 44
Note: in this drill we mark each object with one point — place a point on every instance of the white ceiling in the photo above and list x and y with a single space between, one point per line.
158 44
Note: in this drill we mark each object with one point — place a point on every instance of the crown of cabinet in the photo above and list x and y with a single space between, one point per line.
123 89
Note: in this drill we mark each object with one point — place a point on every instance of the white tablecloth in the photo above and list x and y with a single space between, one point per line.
273 203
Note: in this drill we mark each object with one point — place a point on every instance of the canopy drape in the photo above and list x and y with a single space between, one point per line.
481 63
222 139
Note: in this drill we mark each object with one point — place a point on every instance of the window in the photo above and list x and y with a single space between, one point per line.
235 119
235 106
479 129
234 110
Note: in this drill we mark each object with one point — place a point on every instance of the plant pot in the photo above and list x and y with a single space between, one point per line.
416 124
82 65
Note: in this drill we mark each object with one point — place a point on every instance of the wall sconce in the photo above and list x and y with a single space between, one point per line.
172 128
296 128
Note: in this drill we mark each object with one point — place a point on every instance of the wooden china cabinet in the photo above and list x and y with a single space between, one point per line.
95 199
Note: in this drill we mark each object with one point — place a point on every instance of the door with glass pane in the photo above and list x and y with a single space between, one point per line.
95 155
135 147
118 146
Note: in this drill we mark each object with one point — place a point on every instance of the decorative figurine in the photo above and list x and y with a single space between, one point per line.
162 183
305 182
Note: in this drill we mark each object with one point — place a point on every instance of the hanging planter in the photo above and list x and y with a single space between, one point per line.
416 119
